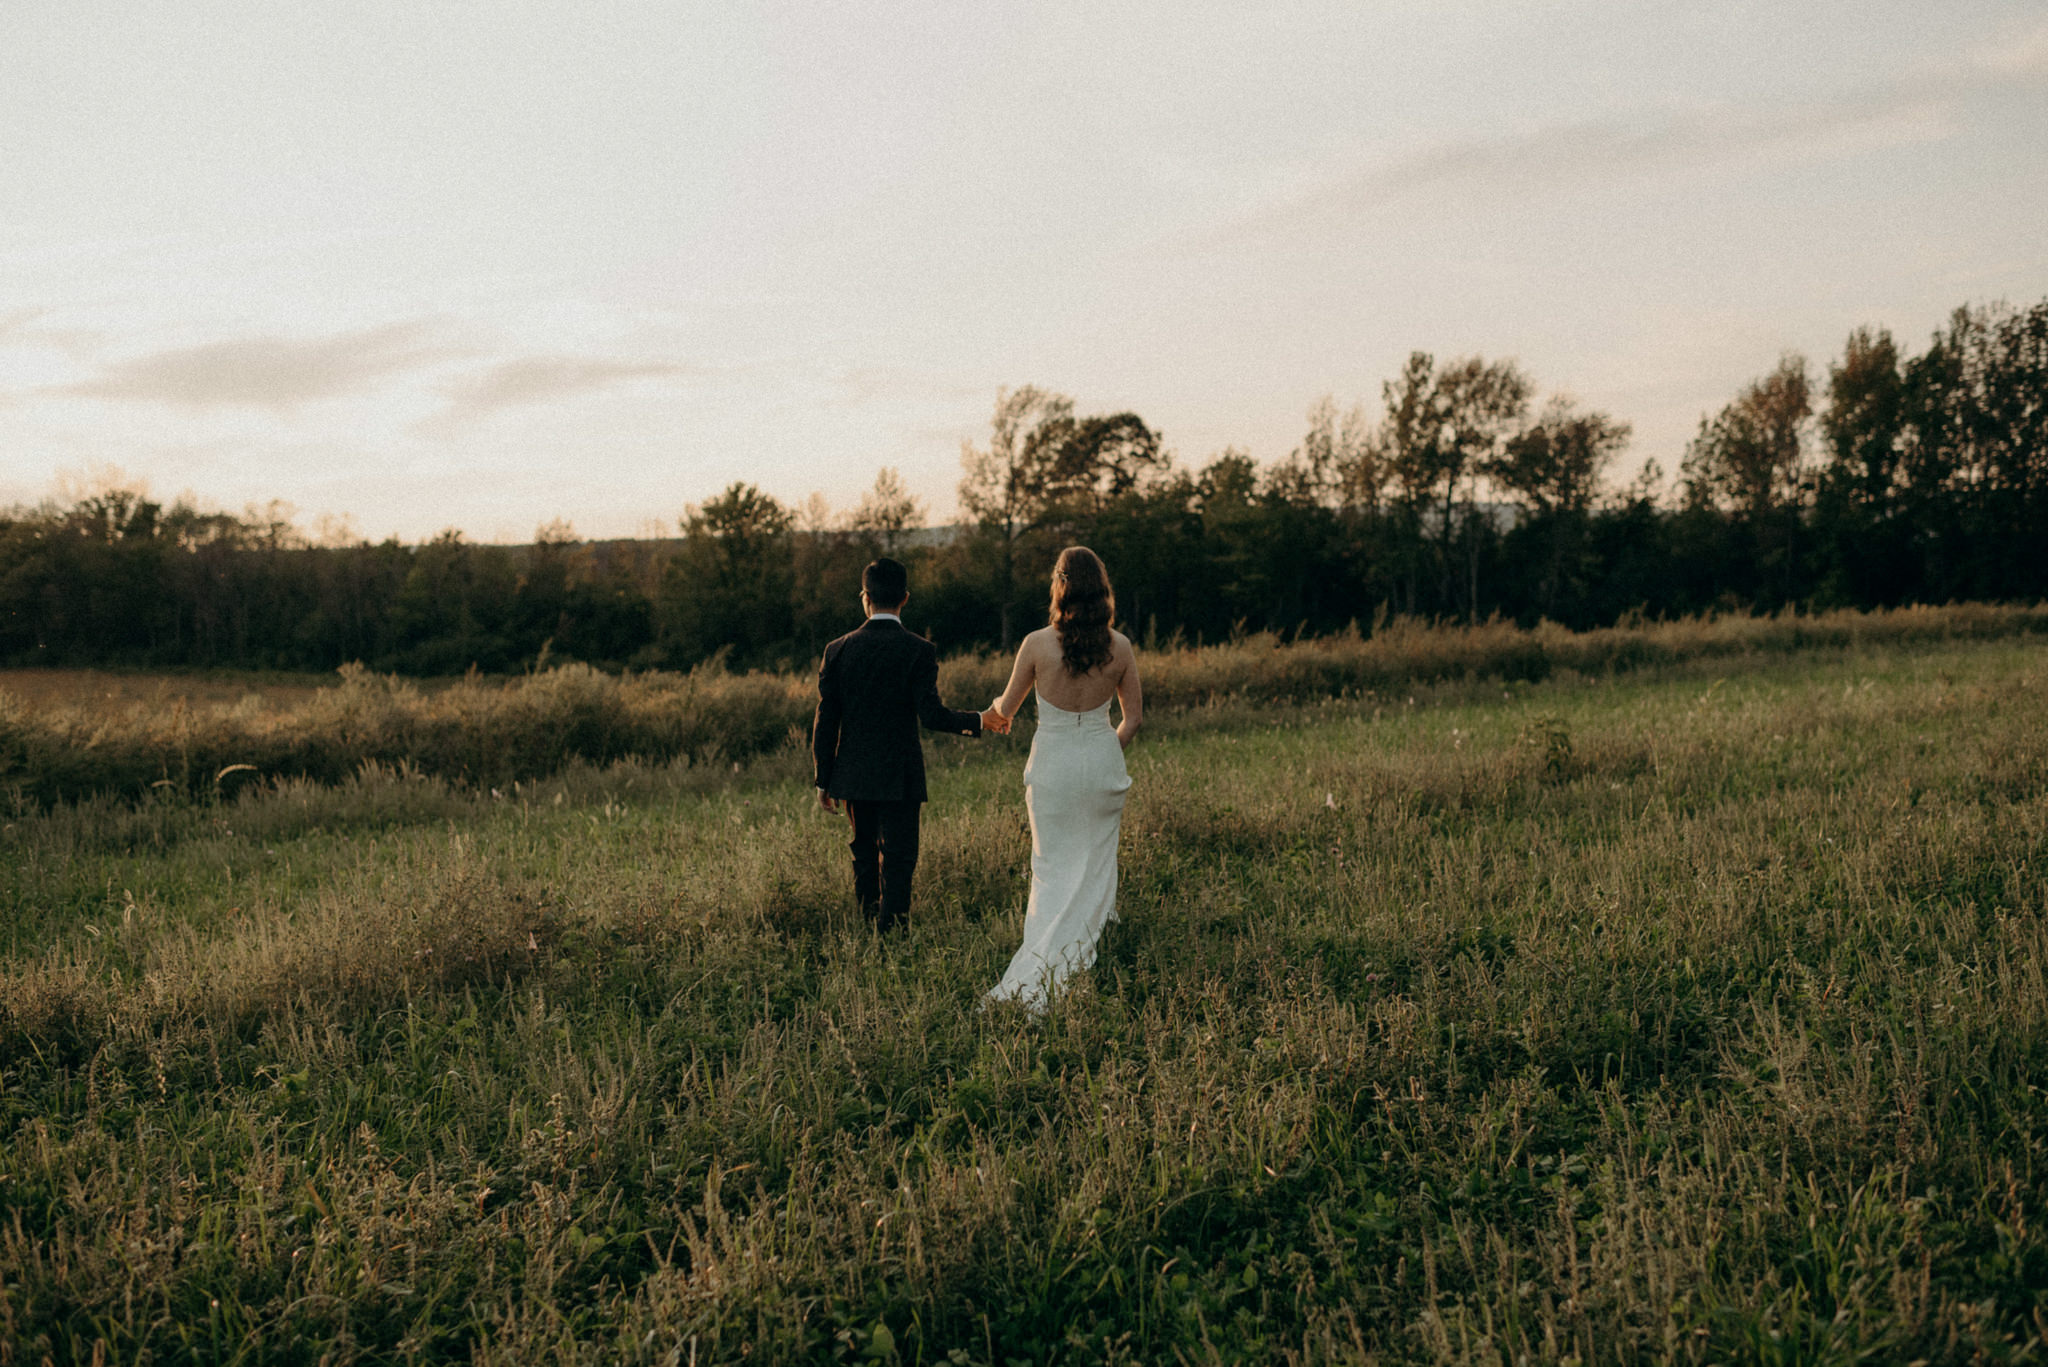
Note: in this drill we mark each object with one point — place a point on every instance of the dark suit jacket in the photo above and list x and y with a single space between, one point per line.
875 686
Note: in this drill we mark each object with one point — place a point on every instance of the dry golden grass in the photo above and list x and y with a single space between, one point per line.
493 733
101 690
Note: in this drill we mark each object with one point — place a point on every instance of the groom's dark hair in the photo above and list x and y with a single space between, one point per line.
886 583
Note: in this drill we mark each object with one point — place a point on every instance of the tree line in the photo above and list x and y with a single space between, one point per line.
1892 478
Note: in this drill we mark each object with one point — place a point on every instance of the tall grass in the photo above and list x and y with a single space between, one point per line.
1697 1015
494 733
482 733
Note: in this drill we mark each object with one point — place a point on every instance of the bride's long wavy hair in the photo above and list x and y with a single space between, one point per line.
1083 609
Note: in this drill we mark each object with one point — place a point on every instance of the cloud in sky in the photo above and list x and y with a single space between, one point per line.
30 328
2024 55
537 379
1621 150
270 372
1917 109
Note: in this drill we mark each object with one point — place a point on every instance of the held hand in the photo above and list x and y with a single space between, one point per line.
828 802
992 720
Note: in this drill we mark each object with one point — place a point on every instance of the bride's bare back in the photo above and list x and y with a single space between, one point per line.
1039 663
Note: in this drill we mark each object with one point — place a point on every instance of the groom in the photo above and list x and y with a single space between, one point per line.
875 685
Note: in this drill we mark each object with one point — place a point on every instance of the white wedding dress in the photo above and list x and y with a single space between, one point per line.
1074 785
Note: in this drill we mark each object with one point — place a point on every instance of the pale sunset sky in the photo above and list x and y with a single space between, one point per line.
484 263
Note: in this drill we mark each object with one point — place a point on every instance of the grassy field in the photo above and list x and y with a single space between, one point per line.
215 736
1696 1014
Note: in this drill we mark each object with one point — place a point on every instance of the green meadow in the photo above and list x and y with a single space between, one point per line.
1694 1012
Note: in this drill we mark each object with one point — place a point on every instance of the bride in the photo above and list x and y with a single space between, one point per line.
1075 780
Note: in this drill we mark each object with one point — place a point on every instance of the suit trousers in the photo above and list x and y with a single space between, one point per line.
884 849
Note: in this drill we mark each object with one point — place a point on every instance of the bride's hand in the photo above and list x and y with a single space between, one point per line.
992 720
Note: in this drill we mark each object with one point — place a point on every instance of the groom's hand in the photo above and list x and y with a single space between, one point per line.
992 720
828 802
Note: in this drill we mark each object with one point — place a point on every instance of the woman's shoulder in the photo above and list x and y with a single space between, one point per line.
1121 644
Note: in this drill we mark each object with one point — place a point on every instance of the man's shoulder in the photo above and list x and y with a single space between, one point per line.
891 634
886 641
838 647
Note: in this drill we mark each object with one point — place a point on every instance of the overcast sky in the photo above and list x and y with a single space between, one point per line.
483 263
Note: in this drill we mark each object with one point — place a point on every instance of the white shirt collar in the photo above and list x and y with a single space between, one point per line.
885 617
